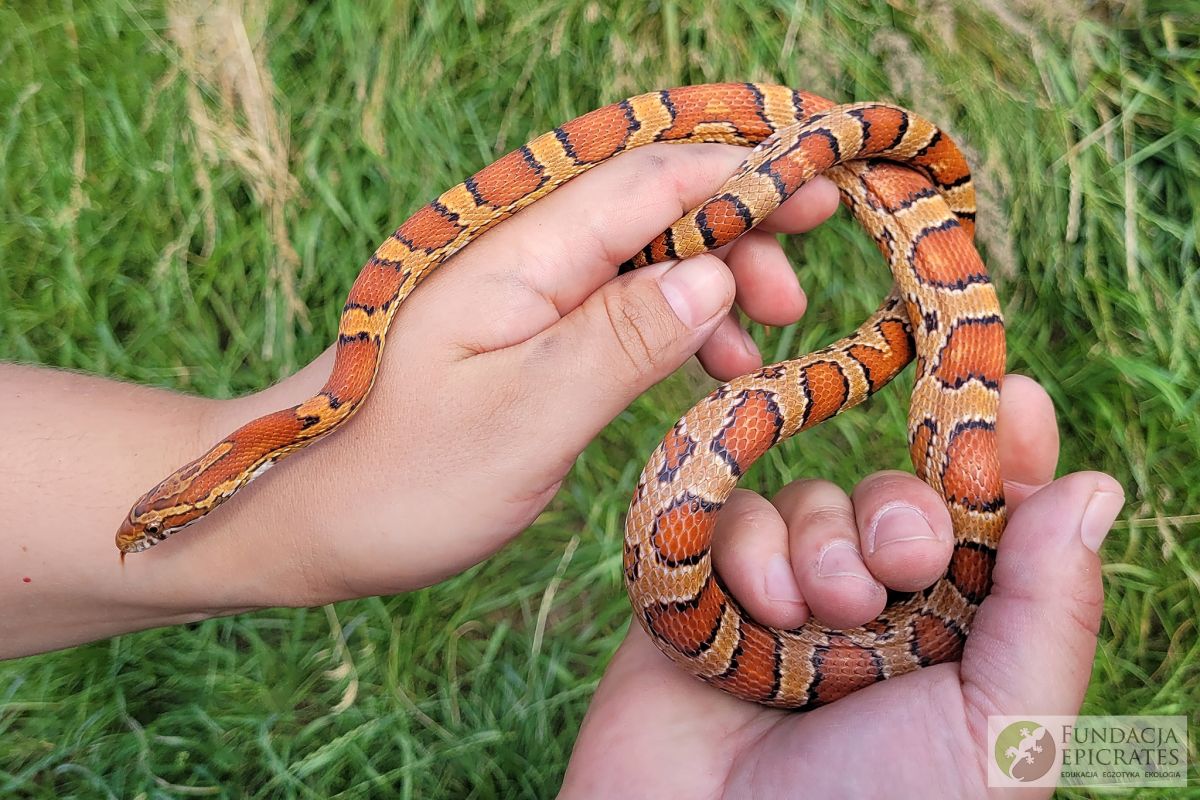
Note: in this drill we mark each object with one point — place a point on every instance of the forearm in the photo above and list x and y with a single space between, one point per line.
77 450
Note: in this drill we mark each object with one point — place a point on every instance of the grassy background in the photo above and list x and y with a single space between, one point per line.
183 206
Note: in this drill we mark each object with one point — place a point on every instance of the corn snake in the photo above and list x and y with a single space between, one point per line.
910 187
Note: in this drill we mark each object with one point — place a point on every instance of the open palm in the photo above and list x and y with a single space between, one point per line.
654 731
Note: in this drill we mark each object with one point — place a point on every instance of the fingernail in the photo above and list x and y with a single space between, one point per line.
1098 517
748 344
780 583
898 523
839 559
695 289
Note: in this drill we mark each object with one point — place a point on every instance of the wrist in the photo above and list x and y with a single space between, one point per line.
245 554
255 551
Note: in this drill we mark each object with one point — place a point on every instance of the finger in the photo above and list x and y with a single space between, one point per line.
593 224
767 287
570 242
626 337
823 542
768 290
906 533
750 552
1028 438
565 246
1033 640
729 351
803 212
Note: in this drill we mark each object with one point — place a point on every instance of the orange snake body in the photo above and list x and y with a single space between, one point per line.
909 185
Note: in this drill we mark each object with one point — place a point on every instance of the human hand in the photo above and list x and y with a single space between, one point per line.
654 731
497 373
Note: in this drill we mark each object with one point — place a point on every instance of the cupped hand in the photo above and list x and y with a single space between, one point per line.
501 368
654 731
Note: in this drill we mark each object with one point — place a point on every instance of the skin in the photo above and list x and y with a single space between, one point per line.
512 358
1031 646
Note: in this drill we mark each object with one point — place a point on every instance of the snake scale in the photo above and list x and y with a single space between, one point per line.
910 187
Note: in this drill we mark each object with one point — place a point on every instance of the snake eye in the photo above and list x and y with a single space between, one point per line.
153 528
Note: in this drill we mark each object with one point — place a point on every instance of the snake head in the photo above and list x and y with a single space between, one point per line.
141 532
180 499
155 516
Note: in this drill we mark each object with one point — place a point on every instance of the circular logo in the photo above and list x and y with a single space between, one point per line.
1025 751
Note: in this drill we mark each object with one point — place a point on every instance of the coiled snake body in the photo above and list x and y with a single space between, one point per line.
910 187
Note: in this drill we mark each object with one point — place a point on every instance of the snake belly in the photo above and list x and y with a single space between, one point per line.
910 187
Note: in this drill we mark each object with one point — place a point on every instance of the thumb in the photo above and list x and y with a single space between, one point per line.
625 337
1031 647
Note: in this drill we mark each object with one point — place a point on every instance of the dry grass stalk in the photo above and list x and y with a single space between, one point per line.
230 100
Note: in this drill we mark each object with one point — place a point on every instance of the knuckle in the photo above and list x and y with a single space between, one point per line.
668 175
595 236
745 515
891 484
748 524
1086 608
647 167
639 330
813 501
645 174
802 488
637 177
651 164
827 518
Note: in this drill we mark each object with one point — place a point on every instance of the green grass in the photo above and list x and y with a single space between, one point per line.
131 245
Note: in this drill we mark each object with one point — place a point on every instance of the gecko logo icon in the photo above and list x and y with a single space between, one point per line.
1025 751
